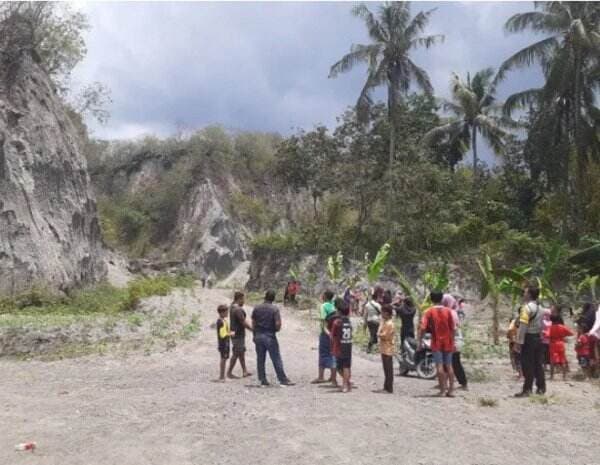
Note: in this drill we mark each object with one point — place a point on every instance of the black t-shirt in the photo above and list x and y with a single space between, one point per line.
238 316
346 339
266 318
407 315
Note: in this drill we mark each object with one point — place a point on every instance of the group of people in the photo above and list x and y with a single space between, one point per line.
534 335
265 323
536 338
442 321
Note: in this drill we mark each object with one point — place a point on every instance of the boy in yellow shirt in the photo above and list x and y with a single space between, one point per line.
387 335
223 338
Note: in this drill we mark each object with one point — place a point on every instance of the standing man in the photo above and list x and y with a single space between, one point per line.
266 321
450 302
238 324
529 342
326 360
439 322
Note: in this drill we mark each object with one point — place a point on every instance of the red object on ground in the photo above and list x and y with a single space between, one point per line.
26 446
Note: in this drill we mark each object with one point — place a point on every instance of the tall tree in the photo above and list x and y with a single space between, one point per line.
569 58
474 110
393 34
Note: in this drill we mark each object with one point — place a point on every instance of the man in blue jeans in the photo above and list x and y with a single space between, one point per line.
266 321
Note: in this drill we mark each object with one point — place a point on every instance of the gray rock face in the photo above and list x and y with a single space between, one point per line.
206 238
49 232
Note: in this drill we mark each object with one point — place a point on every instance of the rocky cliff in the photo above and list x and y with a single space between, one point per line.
49 232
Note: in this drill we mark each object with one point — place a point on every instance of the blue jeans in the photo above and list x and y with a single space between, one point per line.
264 343
442 358
326 360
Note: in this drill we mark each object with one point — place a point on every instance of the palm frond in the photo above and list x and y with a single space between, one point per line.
376 78
526 56
420 76
450 131
464 96
520 100
376 31
447 105
427 41
536 21
490 129
418 23
358 54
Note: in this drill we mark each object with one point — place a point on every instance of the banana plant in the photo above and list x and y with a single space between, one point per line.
335 268
375 268
490 287
589 282
294 272
421 300
553 257
512 282
437 277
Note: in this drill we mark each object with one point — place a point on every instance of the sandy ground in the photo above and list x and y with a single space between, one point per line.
164 409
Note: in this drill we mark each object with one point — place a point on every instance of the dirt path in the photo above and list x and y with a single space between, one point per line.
163 409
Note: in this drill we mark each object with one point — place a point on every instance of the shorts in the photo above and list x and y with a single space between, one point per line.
326 360
584 362
239 345
224 351
342 363
442 358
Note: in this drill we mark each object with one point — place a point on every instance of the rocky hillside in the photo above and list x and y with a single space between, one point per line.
196 201
49 231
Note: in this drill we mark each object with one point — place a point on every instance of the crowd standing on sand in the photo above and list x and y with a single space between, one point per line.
536 337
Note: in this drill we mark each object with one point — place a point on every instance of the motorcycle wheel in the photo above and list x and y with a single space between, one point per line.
426 368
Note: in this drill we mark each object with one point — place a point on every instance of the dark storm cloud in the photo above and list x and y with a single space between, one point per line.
262 66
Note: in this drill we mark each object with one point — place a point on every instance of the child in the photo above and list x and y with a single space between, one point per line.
557 334
583 348
341 343
386 334
511 335
223 338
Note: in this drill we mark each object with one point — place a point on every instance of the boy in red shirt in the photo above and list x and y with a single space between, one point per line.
439 322
583 348
341 342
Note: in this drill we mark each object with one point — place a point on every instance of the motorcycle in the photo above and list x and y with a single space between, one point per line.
412 359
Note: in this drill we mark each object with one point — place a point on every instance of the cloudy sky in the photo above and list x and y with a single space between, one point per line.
264 66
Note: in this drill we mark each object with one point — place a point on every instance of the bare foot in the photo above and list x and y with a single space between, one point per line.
247 374
232 376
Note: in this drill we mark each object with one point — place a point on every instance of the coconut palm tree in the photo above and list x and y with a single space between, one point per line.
474 110
393 36
569 57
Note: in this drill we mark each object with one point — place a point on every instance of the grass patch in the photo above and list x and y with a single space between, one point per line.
475 349
192 328
543 400
39 308
487 402
478 375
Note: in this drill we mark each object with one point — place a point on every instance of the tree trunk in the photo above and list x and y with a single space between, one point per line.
393 87
580 155
475 159
495 321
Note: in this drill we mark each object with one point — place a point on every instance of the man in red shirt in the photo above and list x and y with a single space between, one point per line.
439 322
